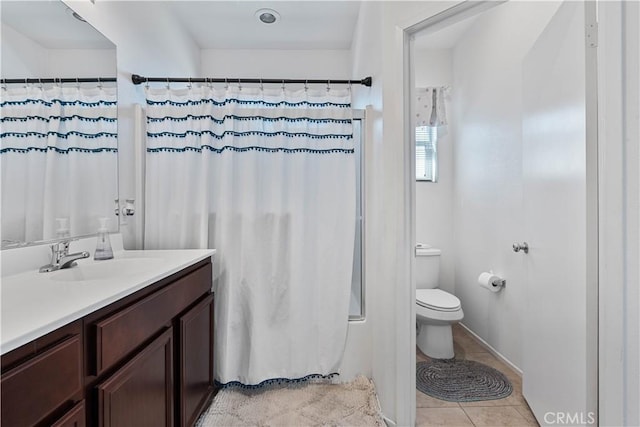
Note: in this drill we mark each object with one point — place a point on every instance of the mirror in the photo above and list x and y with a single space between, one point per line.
58 144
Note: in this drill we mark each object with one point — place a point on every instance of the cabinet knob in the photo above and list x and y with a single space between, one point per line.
524 247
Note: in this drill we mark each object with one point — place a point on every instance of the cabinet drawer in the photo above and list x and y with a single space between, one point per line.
75 417
36 388
120 334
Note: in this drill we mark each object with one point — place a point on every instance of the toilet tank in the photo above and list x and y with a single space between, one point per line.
427 266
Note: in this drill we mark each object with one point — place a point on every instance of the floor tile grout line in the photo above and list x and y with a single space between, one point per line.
468 417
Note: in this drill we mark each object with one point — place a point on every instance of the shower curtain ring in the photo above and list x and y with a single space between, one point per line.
306 85
283 85
328 85
226 83
99 83
77 83
168 84
189 84
261 85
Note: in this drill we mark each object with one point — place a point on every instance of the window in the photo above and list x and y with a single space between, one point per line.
426 153
356 306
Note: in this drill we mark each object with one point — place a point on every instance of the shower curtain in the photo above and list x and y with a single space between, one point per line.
56 145
266 177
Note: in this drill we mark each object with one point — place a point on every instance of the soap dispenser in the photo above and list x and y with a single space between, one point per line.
103 248
62 230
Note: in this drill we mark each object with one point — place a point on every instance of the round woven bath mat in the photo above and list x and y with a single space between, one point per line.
461 380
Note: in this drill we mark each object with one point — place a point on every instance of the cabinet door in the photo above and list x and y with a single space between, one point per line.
195 336
141 392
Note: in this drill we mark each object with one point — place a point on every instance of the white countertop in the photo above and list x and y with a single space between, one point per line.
34 304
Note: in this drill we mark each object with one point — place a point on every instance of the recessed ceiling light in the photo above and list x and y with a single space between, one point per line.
267 16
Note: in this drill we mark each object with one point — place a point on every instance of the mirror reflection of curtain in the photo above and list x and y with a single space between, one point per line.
268 179
58 153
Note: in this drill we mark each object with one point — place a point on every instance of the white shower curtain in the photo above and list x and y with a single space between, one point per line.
58 153
267 177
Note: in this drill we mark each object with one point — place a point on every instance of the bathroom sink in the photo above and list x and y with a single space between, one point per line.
105 270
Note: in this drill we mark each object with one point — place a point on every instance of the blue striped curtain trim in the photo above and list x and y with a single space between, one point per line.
59 118
252 148
247 102
59 150
58 101
59 135
248 133
275 381
247 118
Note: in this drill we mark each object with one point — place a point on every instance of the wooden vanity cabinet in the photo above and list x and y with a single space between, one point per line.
135 350
145 360
42 380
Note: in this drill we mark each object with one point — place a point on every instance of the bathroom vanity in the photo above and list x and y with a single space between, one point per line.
127 341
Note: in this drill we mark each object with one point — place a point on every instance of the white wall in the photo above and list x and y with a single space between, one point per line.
366 62
82 62
276 64
377 51
434 200
21 56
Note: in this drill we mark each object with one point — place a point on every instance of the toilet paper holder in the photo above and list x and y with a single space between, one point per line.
499 282
491 281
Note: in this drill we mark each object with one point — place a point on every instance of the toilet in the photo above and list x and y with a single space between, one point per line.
436 310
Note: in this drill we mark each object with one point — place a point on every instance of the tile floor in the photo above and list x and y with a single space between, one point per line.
512 411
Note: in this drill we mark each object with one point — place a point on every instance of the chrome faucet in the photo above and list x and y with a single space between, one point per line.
61 258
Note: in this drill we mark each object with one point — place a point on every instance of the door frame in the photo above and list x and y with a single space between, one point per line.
404 33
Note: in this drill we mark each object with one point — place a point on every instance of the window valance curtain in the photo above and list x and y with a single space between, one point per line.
430 107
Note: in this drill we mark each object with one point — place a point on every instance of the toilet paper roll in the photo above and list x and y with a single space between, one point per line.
490 281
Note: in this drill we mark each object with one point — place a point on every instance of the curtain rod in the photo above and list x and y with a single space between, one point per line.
136 79
60 80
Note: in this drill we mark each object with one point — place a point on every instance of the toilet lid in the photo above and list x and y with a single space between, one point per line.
437 299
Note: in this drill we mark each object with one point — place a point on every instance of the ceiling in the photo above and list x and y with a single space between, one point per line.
302 24
52 25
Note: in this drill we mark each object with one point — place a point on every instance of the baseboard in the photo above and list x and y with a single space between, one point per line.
388 422
492 350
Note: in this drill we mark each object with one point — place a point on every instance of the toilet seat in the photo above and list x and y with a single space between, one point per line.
437 299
